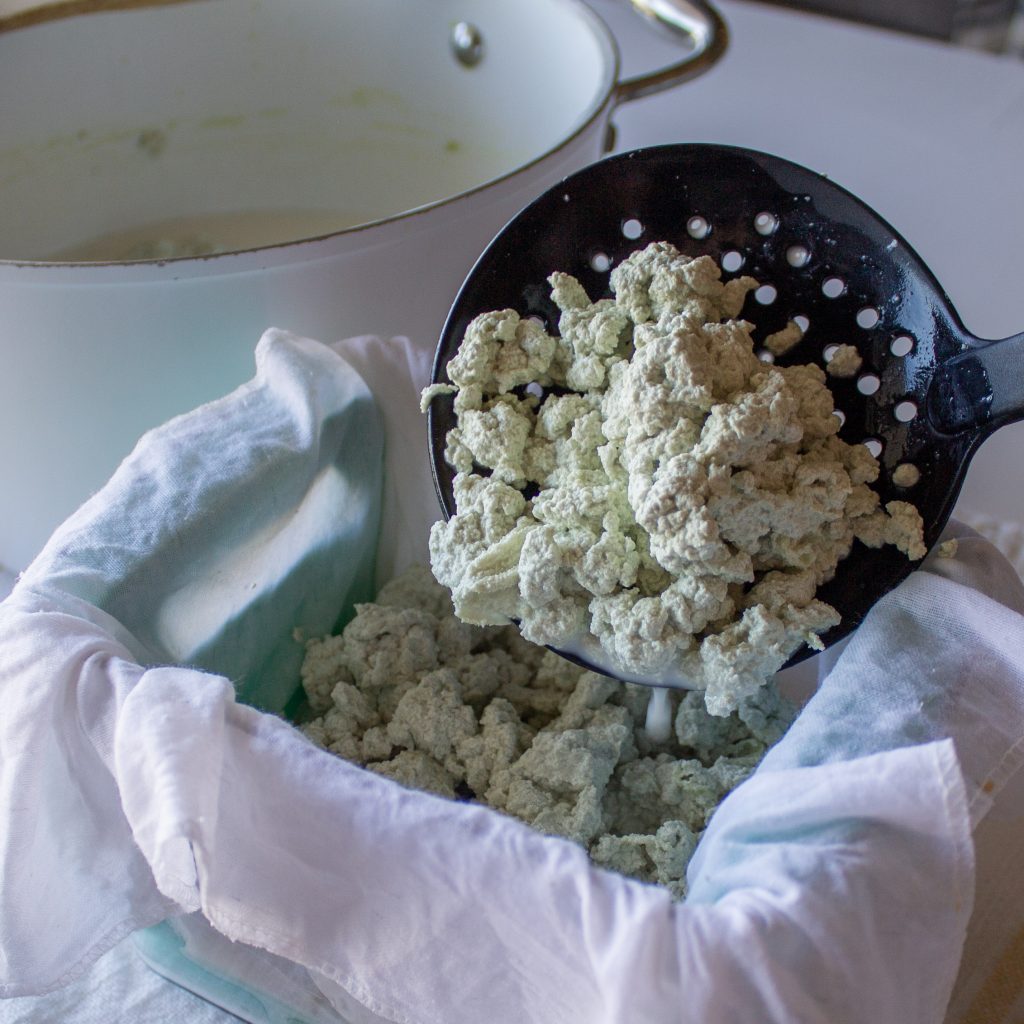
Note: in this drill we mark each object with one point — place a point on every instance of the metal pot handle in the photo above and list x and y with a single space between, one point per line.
697 21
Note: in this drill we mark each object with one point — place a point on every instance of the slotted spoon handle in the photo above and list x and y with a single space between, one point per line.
981 389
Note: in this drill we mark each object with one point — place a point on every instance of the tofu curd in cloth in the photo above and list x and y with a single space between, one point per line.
410 692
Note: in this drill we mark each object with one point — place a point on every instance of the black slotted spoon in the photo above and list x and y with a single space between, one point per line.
928 392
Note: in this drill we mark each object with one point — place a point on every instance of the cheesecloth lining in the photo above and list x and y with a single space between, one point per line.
834 885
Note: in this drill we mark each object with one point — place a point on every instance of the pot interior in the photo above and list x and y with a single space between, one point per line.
182 128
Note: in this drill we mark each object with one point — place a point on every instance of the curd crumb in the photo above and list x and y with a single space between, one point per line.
782 341
432 392
845 362
906 474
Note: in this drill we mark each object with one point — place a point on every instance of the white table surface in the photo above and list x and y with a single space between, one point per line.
930 135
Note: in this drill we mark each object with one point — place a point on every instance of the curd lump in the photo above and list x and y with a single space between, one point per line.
668 493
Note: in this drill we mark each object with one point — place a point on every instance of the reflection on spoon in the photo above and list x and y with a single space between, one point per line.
586 650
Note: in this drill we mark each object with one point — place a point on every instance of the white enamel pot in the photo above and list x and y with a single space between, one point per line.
355 157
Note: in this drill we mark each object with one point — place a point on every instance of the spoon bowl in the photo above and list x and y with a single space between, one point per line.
928 391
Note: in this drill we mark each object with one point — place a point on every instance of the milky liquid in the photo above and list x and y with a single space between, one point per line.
207 234
658 725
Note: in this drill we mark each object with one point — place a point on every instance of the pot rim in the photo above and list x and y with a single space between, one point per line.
604 99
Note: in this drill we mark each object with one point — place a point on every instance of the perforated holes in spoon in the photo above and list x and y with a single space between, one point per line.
732 261
874 446
632 229
867 317
833 287
698 227
766 294
601 262
802 322
766 223
905 411
902 345
798 256
868 384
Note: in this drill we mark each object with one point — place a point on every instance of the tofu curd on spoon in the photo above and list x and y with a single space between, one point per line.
643 484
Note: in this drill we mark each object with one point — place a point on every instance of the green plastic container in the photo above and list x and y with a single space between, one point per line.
164 949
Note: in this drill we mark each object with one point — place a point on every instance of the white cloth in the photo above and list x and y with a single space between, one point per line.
836 885
990 986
